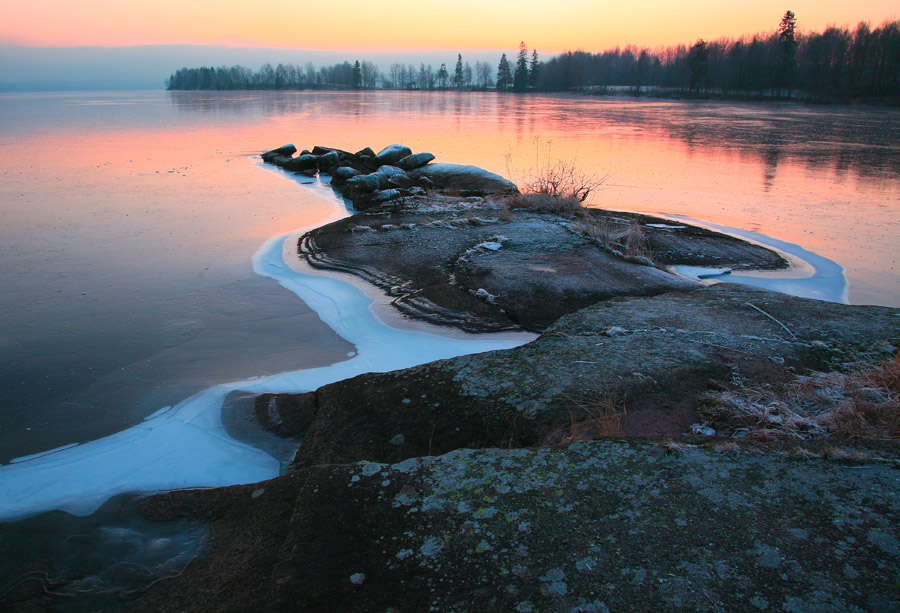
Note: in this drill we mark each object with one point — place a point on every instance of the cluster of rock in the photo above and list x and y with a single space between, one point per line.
369 179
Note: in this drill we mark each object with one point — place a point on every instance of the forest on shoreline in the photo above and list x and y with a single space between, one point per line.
835 64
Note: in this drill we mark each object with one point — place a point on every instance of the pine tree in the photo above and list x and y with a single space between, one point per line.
458 78
698 60
504 76
534 70
787 52
442 76
357 75
520 78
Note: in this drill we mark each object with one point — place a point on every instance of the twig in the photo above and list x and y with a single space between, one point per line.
773 319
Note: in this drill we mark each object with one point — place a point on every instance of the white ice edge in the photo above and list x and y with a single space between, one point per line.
820 278
186 446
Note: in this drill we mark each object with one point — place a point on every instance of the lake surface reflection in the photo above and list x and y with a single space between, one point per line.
129 219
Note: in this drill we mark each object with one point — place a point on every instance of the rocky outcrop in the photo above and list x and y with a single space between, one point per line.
393 162
644 362
476 265
476 482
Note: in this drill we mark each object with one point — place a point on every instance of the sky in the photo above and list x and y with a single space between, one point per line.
361 25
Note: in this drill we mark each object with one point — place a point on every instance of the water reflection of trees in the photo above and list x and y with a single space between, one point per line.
862 141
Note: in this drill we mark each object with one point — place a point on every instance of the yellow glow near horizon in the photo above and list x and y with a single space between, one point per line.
592 25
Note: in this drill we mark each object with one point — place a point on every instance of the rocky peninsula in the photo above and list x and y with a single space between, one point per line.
661 445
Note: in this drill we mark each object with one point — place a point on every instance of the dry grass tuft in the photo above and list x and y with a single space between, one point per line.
567 208
629 241
863 402
590 419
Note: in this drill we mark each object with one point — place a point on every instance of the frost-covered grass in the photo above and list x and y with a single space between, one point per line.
864 401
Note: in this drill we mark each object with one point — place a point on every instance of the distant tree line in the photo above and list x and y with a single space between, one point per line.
835 64
359 75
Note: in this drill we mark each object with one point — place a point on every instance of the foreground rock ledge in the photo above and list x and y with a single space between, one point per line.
593 527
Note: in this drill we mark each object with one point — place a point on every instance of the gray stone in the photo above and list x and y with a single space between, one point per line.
342 174
416 160
284 150
303 162
392 154
464 180
375 198
328 161
361 185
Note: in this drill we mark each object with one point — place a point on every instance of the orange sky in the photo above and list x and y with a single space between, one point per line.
549 26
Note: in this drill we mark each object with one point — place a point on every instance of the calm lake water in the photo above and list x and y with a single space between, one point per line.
128 220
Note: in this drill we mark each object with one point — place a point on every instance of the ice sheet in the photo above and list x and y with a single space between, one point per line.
810 276
186 446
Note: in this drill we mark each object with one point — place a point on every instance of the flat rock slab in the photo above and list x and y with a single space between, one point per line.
596 526
649 358
461 262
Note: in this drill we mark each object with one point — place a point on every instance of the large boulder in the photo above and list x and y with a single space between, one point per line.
342 174
302 162
284 150
464 180
396 176
361 185
368 201
416 160
328 161
392 154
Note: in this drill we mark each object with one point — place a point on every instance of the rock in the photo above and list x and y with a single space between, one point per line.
511 529
366 152
681 344
392 154
285 415
302 162
375 198
361 185
342 174
317 150
542 271
416 160
396 176
464 180
391 171
284 150
328 161
280 160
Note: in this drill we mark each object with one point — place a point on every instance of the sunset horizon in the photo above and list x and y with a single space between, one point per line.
466 26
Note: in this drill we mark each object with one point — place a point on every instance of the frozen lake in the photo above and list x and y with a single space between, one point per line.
129 222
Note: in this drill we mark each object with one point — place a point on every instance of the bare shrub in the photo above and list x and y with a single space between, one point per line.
555 178
862 402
